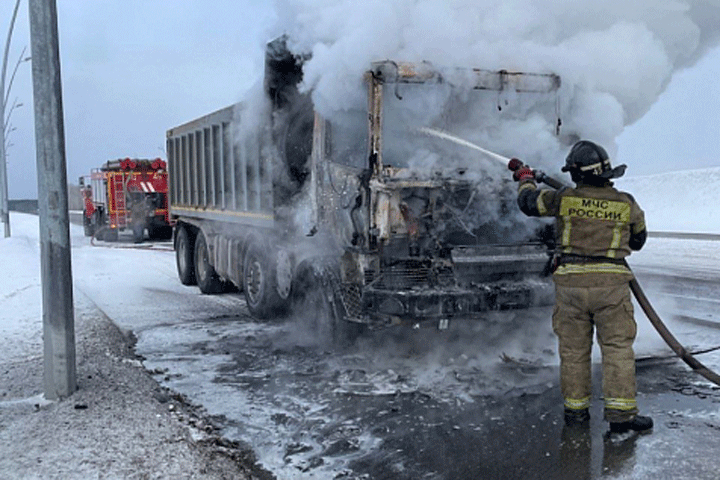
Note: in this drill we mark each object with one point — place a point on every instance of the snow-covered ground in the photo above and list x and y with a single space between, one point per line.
682 201
120 423
20 295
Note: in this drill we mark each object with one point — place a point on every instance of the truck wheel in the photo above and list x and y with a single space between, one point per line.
260 283
317 308
207 278
184 256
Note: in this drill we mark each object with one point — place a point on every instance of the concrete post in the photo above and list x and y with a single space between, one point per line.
58 319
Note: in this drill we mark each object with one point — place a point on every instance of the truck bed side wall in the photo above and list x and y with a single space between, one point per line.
221 185
212 170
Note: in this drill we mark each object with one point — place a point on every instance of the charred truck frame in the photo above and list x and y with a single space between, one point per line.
299 208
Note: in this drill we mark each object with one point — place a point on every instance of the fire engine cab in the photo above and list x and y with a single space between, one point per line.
126 194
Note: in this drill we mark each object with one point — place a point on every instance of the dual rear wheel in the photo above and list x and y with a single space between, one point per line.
259 279
269 285
207 279
193 261
265 298
185 255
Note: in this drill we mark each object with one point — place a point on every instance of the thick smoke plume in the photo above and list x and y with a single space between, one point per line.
614 57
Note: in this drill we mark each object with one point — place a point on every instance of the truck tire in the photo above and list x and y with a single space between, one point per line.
207 278
260 283
185 256
318 310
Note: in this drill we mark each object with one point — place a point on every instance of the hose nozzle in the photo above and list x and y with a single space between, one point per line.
515 164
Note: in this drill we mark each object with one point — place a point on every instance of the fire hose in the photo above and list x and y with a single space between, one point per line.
642 300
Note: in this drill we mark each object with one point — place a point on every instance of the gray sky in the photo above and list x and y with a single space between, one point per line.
682 129
131 69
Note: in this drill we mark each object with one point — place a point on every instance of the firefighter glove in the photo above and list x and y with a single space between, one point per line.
523 173
515 164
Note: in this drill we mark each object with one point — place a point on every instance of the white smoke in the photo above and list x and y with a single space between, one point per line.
614 57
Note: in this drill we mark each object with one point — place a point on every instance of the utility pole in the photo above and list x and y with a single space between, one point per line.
58 321
4 204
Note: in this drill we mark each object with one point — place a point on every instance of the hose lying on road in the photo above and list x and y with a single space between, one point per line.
669 338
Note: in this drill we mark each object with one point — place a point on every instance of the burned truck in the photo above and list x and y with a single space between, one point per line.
367 215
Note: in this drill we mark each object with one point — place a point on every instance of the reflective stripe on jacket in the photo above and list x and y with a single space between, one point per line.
590 221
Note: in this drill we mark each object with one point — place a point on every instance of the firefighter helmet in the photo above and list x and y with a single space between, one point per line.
588 159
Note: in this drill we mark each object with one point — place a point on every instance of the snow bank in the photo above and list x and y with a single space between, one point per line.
20 293
682 201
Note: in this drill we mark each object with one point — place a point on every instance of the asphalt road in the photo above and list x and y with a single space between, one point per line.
478 401
419 408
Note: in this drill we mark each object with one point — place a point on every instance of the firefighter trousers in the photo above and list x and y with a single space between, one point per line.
608 310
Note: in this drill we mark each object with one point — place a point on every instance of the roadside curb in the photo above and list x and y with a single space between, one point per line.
119 423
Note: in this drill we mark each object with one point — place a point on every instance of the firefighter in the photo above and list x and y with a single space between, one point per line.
596 227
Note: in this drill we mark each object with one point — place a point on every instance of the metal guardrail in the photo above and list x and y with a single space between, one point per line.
685 235
23 206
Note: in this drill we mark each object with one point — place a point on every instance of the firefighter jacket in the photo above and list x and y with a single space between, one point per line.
596 227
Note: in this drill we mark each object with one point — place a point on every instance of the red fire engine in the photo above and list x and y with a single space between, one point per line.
126 193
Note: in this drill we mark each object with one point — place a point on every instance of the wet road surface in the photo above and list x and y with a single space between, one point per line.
435 405
478 401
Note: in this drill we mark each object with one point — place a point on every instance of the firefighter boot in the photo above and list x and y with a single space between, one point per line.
639 423
577 416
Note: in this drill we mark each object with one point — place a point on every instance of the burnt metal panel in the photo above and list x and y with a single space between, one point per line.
375 109
405 72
